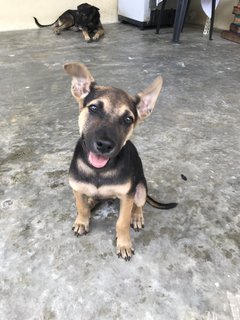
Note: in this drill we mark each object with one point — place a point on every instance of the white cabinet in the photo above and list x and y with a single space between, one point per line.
134 11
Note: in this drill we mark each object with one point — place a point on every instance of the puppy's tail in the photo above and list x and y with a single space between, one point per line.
159 205
43 25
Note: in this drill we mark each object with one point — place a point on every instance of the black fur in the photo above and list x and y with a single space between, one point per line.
88 17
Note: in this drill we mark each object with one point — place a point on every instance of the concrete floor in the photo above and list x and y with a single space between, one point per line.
187 259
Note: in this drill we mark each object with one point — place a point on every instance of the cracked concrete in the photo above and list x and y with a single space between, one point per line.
187 260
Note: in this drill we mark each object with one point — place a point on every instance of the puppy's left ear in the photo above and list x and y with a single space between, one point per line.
82 80
148 98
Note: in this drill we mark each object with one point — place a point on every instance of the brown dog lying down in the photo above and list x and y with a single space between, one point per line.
86 18
105 163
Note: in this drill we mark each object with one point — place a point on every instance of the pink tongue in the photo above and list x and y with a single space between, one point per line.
97 161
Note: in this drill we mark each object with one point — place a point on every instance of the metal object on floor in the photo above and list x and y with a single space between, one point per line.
181 11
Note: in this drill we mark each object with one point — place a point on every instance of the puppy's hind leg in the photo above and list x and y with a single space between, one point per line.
56 27
137 219
63 24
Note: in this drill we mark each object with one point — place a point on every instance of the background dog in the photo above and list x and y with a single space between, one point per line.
89 22
86 18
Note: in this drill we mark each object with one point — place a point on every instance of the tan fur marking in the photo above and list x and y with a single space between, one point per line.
107 105
122 109
109 174
106 191
84 167
128 135
114 190
82 120
85 188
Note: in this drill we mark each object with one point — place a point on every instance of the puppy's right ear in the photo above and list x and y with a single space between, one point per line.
82 80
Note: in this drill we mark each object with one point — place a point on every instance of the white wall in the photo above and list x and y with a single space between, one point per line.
18 14
223 14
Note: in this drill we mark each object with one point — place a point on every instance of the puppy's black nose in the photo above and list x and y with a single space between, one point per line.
104 145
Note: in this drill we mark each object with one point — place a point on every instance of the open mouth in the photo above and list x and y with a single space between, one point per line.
96 160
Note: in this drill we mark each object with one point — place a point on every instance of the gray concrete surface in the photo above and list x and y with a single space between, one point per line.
187 260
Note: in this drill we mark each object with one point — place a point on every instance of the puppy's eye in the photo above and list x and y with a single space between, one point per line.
93 108
128 120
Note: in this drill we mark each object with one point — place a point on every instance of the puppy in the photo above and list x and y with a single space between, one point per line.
105 163
89 22
86 18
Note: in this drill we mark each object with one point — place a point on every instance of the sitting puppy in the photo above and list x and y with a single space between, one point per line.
105 163
86 18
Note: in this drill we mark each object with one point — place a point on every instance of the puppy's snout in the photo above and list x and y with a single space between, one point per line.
105 146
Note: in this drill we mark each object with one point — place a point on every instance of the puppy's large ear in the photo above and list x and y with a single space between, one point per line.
148 98
82 80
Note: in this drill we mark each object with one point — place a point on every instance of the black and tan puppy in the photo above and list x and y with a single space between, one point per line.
89 22
86 18
105 163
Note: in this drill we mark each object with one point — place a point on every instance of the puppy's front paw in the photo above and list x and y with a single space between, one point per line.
87 38
124 249
80 227
96 37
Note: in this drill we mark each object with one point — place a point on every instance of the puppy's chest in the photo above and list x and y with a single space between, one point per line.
109 184
102 192
99 190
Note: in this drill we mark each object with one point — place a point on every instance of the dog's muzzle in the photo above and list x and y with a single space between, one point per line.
101 152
